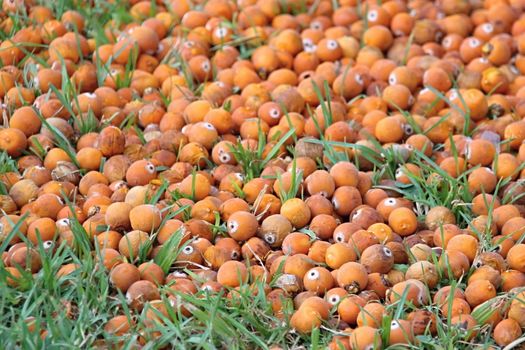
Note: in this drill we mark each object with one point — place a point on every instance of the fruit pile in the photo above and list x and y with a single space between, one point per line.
357 164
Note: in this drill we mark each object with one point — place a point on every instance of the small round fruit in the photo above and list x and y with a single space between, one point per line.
464 243
26 258
371 315
401 332
152 272
133 242
438 216
349 308
403 221
411 290
479 291
140 173
423 271
465 323
352 276
377 258
232 274
12 141
305 320
274 229
141 292
117 216
454 264
318 280
516 257
145 217
297 212
338 254
118 325
124 275
242 225
365 338
506 332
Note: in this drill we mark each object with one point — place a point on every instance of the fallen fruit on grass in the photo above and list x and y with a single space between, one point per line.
365 337
320 165
352 276
232 274
124 275
506 332
138 293
118 325
305 320
242 225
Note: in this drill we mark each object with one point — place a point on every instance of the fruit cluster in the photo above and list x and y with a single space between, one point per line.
358 162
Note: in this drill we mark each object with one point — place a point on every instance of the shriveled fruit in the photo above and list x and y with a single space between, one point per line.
274 229
425 272
140 292
26 258
377 258
438 216
516 310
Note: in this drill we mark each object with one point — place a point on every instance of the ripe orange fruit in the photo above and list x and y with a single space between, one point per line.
365 337
339 253
506 332
133 242
305 320
352 276
232 274
403 221
297 212
479 291
350 307
414 290
296 243
242 225
401 332
318 280
123 275
145 217
515 257
13 141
